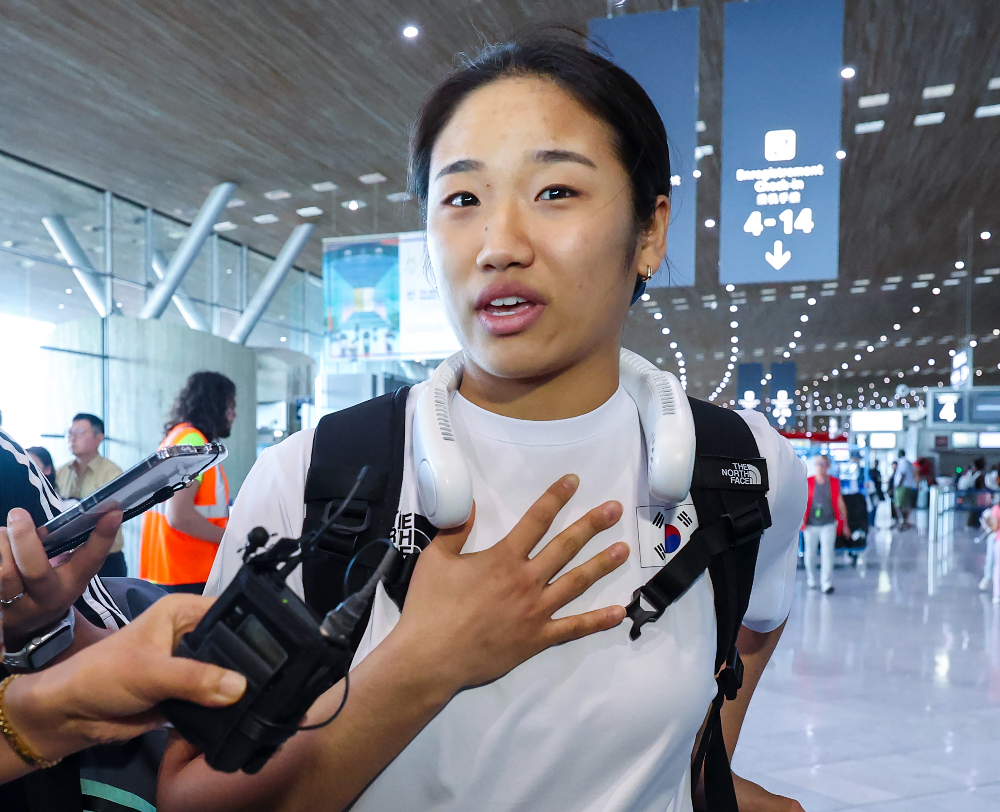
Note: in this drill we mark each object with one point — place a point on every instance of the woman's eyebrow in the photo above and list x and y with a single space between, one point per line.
463 165
553 156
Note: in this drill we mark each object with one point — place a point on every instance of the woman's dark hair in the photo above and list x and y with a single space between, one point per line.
607 91
46 459
202 403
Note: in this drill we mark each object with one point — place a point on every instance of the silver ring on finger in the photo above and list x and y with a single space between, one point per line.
13 600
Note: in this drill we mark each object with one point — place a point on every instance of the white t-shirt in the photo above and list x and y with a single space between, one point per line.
602 723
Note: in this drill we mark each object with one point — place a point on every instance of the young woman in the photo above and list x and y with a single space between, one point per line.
543 170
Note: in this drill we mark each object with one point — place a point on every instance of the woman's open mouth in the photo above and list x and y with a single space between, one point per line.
503 315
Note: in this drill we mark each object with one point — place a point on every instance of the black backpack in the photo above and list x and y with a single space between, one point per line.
728 489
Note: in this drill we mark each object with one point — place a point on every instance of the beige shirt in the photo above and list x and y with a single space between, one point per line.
98 473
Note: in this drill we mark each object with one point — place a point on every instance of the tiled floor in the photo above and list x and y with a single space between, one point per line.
882 697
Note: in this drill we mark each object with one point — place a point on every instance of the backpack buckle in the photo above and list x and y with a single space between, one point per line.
640 617
352 530
747 523
730 679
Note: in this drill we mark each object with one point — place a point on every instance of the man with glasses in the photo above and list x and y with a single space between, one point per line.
88 472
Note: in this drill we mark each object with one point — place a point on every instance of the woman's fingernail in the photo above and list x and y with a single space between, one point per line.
620 551
572 481
231 686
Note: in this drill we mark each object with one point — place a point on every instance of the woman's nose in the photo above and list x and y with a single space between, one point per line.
505 240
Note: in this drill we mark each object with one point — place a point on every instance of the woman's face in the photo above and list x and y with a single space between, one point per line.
529 227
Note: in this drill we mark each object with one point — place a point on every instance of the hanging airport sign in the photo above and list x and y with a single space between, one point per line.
961 369
948 407
782 395
985 408
750 386
660 49
781 132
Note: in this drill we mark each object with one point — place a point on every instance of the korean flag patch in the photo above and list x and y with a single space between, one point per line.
662 532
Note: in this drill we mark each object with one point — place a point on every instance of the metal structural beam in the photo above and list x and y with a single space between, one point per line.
180 298
272 281
184 256
92 282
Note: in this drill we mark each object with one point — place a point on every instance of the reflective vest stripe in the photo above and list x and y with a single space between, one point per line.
213 511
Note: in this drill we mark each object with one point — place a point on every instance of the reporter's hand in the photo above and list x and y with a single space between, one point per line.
481 614
48 592
108 692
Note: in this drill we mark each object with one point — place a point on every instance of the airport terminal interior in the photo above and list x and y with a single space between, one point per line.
223 187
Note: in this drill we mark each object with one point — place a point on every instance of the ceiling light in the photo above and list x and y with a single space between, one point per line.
309 211
797 334
848 72
678 354
673 345
791 345
410 31
69 290
865 127
657 316
938 91
987 110
645 297
733 308
810 301
973 343
984 235
325 186
857 357
665 331
697 173
354 205
372 178
875 100
844 365
803 318
277 194
959 265
235 203
283 338
398 197
935 291
841 154
915 309
265 219
710 223
930 362
225 225
883 338
734 339
730 288
925 119
870 348
895 327
734 324
786 354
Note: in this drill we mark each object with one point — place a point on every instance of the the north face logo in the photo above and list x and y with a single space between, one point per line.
741 473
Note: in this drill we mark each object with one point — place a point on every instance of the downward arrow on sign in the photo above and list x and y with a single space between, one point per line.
778 259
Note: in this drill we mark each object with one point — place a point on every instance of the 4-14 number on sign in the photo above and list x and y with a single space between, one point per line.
756 223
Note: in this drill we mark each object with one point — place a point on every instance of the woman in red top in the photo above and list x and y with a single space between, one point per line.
825 519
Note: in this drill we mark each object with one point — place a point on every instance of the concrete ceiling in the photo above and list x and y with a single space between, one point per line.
159 101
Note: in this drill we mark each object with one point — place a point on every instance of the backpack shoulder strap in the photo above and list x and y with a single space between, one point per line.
729 491
371 433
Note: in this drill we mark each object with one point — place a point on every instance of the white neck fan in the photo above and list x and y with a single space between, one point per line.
443 480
